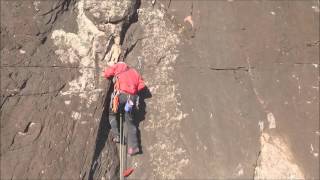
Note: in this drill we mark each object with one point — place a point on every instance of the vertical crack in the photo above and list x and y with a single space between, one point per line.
103 132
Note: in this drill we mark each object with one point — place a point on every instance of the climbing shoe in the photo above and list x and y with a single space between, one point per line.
133 151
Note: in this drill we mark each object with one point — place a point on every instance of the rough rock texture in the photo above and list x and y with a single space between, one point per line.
240 96
233 88
53 123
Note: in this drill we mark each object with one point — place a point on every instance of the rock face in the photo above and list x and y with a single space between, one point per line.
232 88
245 91
53 122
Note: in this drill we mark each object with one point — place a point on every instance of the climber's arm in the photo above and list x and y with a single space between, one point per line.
141 84
109 72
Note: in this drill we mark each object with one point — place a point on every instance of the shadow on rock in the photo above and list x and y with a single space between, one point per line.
103 133
141 112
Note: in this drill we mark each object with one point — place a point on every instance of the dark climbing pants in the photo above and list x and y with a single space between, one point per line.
128 117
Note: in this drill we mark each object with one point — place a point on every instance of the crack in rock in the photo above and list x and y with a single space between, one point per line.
240 68
28 135
86 50
167 157
75 48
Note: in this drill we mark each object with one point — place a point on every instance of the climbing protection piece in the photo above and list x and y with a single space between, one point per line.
129 105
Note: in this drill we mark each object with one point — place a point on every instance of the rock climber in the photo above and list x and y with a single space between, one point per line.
127 83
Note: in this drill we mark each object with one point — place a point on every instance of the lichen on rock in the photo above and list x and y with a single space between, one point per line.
80 49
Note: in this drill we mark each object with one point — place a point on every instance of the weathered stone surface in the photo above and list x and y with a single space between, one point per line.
233 90
53 122
251 65
103 12
246 69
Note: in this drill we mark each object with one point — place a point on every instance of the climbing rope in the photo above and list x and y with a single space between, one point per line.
124 170
121 148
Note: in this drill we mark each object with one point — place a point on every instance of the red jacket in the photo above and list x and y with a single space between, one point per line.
129 79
